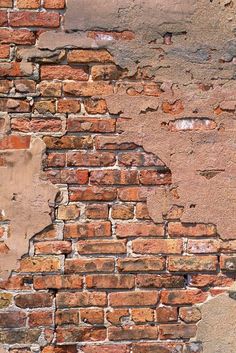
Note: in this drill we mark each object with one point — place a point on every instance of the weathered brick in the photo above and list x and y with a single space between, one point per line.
134 298
160 281
68 212
183 297
157 246
115 316
40 318
91 125
15 69
53 247
92 316
88 230
141 264
89 265
138 229
63 72
228 263
157 347
40 264
34 19
87 56
80 334
110 281
60 349
6 3
95 106
4 51
54 4
69 142
14 142
70 299
190 314
92 193
203 246
132 333
12 319
5 300
90 159
68 106
105 72
87 89
122 211
142 315
67 317
177 331
198 230
153 177
192 263
28 4
111 177
36 125
108 348
35 300
205 280
166 314
17 36
58 282
96 211
101 247
29 336
50 89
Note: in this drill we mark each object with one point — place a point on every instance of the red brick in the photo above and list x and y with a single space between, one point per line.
160 281
183 297
108 348
69 142
157 347
15 142
92 193
142 211
132 194
110 281
34 19
89 265
53 247
88 56
203 246
141 264
58 282
63 72
17 36
5 86
54 4
40 264
91 125
132 333
4 51
122 211
105 72
68 212
157 246
36 125
67 317
56 160
134 298
190 314
92 316
90 159
6 3
166 314
107 143
228 263
184 230
17 283
14 105
95 106
87 230
102 35
115 316
40 318
203 280
25 86
172 108
28 4
68 106
50 89
12 319
80 334
177 331
3 18
111 177
35 300
138 229
70 299
15 69
192 263
142 315
153 177
97 211
87 89
138 159
89 247
60 349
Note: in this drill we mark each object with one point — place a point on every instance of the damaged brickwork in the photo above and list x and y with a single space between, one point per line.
117 176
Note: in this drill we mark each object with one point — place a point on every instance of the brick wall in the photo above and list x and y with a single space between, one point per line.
104 277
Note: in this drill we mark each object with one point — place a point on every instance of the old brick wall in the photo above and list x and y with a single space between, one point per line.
114 147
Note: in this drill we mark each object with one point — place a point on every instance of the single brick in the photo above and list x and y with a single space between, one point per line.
34 19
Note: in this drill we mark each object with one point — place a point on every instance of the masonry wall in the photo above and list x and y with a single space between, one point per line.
117 177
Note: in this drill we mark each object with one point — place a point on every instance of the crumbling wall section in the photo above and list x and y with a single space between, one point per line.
117 176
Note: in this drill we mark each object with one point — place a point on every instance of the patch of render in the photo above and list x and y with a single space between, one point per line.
217 329
25 199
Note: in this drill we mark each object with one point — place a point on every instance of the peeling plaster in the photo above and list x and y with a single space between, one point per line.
24 201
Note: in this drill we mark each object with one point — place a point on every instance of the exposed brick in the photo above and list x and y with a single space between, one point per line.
89 265
190 314
28 4
87 89
160 281
53 247
177 331
36 125
58 282
15 69
68 142
12 319
122 211
108 348
228 263
139 229
166 314
40 264
132 333
157 246
60 349
105 72
111 177
67 213
35 300
192 263
68 106
134 298
153 177
142 315
88 56
95 106
34 19
115 316
101 247
67 317
102 35
40 318
110 281
88 230
90 159
6 3
54 4
132 194
92 193
90 125
182 297
198 230
141 264
4 51
157 347
80 334
17 36
15 142
63 72
203 246
50 89
69 299
96 211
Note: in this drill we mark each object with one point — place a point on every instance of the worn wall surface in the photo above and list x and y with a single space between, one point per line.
117 176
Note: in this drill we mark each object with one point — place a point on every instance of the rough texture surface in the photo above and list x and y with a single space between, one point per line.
117 176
